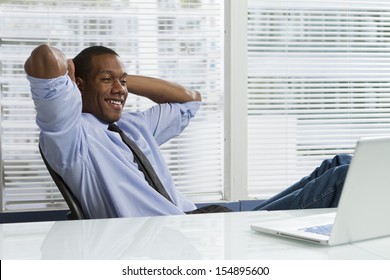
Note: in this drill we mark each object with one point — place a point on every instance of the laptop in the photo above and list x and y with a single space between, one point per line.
364 208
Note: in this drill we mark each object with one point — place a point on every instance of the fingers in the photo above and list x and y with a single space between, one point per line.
71 70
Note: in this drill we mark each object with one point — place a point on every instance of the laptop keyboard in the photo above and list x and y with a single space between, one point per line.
324 229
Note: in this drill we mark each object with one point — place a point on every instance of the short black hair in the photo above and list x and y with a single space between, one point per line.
82 61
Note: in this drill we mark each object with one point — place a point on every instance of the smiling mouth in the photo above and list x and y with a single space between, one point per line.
116 104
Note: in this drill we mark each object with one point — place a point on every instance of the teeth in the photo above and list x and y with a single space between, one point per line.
115 102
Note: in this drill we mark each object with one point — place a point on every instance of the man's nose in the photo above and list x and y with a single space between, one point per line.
118 87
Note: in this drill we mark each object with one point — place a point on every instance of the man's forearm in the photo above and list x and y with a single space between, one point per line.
46 62
160 91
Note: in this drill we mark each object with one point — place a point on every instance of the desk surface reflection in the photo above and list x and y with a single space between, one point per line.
206 236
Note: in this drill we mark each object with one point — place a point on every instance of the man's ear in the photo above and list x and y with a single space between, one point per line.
80 84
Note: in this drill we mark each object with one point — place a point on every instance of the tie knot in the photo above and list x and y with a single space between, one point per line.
114 127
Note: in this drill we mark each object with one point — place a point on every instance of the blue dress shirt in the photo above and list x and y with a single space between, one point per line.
96 164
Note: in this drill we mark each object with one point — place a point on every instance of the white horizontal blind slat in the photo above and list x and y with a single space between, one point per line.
175 40
318 79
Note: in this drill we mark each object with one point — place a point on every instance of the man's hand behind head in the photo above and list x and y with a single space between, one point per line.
71 70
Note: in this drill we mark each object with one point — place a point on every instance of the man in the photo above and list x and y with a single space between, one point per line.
78 101
74 117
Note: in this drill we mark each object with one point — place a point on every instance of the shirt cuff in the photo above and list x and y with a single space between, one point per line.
46 88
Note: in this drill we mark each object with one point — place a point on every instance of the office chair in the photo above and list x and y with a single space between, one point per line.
76 212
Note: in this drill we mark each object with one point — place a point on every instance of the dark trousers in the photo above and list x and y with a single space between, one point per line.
210 209
321 189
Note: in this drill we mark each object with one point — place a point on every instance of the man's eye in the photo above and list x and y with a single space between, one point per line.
106 79
123 82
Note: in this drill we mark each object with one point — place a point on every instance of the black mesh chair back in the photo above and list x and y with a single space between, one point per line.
76 212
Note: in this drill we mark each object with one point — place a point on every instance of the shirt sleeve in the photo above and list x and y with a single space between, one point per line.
170 119
58 106
57 102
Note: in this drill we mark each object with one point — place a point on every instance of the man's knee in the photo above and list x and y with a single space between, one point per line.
342 159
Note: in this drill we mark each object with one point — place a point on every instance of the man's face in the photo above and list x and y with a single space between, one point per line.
104 92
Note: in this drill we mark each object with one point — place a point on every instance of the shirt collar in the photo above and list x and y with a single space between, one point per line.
95 121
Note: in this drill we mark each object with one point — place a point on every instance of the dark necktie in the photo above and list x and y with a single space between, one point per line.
143 163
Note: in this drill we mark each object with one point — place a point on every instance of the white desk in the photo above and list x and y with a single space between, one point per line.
206 236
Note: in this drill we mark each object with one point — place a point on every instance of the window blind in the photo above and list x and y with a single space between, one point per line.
175 40
318 80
